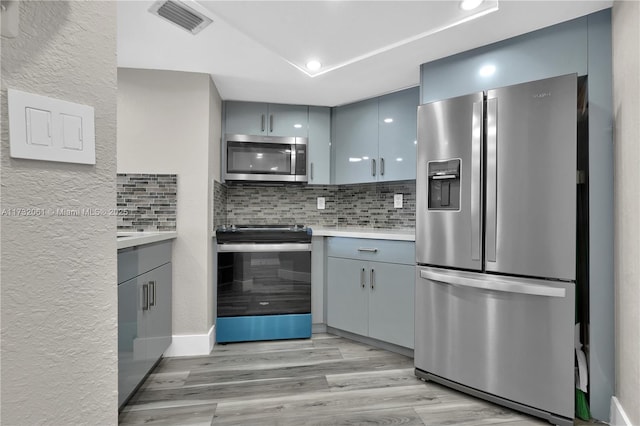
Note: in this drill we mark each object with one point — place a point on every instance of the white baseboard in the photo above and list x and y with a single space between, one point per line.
192 344
618 416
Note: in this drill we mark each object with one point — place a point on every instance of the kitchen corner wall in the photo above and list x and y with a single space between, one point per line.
59 303
626 90
168 124
363 205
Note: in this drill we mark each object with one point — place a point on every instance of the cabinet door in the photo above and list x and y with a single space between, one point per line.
397 127
158 320
347 299
391 303
355 142
246 118
132 365
319 149
288 120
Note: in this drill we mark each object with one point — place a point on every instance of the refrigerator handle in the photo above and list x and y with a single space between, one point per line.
495 284
476 180
492 179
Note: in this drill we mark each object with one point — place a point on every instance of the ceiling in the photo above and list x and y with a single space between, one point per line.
257 50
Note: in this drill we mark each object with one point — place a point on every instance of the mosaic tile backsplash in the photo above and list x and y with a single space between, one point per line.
364 205
150 199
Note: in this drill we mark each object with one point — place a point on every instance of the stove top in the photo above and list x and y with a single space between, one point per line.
268 234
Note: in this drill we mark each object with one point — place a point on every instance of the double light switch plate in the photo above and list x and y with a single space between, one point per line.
44 128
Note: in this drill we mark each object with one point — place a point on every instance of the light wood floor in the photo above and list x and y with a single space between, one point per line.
326 380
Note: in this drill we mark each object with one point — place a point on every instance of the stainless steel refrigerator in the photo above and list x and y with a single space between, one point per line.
496 245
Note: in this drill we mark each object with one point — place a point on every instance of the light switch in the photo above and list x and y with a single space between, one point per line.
397 201
38 126
44 128
71 131
321 203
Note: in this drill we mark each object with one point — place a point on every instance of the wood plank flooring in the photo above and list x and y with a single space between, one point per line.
326 380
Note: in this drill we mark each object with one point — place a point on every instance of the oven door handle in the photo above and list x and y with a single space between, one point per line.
258 248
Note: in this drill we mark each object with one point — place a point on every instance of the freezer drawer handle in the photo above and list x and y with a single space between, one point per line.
494 284
368 250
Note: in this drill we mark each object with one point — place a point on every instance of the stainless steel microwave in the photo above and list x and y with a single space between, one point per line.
265 158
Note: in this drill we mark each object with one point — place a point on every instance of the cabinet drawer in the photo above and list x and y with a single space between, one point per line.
137 260
390 251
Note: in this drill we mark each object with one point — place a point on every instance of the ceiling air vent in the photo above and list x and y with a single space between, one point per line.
180 14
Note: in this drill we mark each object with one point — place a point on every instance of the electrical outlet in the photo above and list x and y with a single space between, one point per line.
320 203
397 201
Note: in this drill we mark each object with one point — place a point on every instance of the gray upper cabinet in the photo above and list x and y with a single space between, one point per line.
374 140
319 148
254 118
397 138
356 142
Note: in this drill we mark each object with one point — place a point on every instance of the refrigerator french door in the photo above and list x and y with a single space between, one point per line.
496 245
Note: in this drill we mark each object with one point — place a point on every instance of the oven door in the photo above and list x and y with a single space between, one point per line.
264 279
265 158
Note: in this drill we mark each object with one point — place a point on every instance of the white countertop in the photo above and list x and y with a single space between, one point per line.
370 233
132 239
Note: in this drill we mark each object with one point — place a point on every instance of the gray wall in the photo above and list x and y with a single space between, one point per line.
165 125
59 285
626 89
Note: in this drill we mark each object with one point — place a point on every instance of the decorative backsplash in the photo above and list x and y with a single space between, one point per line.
362 205
219 204
150 201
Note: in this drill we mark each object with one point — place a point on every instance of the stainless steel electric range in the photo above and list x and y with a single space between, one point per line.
264 282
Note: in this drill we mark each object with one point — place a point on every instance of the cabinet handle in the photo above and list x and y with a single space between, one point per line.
270 123
145 297
152 293
372 279
311 170
373 167
262 123
381 166
362 282
368 250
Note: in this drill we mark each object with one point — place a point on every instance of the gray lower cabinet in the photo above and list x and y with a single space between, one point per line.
144 313
370 288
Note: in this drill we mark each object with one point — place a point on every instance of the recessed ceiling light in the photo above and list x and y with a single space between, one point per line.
298 126
487 70
313 65
470 4
388 120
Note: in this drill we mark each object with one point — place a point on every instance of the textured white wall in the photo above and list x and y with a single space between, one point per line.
59 286
164 127
626 90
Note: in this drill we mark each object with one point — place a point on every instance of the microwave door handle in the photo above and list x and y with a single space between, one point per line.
293 159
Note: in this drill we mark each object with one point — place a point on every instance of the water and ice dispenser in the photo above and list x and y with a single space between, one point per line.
444 184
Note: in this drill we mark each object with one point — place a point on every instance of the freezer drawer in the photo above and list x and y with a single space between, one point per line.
512 338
